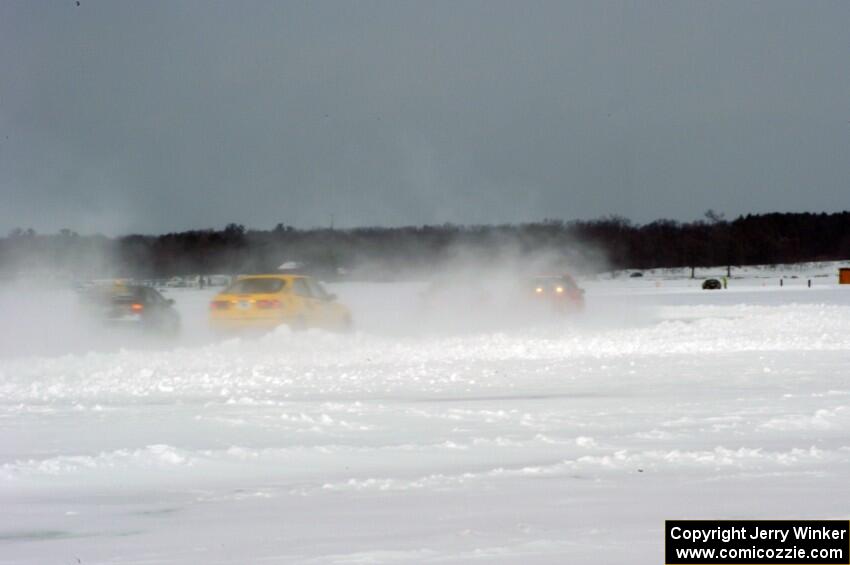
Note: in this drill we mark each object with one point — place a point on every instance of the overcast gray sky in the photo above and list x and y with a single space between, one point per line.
150 116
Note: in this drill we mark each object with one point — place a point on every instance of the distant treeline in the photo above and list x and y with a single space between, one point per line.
601 244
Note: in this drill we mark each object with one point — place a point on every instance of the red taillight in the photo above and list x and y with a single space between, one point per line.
137 307
266 304
219 305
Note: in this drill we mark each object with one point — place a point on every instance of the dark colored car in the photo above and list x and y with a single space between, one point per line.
712 284
132 306
560 292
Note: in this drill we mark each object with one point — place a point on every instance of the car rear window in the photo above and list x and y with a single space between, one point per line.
256 286
111 295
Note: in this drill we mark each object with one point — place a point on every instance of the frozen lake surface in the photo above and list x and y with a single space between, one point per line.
409 443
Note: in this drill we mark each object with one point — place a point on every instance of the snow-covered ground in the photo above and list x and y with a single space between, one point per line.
411 443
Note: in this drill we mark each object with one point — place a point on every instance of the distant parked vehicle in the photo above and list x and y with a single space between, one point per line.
636 275
218 280
176 282
712 284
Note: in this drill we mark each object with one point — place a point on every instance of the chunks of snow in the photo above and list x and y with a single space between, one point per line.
537 442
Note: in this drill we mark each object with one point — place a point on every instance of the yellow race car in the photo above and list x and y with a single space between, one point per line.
267 301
